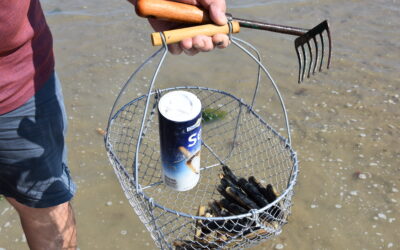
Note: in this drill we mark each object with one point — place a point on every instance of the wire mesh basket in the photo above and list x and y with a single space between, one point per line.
241 148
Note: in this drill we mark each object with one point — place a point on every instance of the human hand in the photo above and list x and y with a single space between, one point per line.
191 46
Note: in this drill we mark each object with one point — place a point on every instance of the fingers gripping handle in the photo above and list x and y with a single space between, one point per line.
180 12
177 35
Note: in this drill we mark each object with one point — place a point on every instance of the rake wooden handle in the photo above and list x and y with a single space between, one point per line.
172 11
177 35
186 13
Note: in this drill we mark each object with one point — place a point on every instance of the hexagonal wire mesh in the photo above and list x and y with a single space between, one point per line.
207 216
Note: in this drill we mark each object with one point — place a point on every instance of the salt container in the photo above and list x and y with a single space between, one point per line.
179 115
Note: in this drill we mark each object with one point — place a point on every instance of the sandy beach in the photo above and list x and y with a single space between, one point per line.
345 122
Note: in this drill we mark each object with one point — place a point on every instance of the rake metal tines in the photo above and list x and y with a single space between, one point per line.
317 60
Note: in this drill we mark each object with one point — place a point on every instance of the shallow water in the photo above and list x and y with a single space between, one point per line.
343 121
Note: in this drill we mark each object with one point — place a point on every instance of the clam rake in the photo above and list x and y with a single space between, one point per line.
191 14
303 39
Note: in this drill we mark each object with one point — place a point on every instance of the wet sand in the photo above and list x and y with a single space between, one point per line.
344 122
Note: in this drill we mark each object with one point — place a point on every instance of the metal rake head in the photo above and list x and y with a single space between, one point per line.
313 62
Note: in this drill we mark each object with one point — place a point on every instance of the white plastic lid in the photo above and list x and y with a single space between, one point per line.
179 106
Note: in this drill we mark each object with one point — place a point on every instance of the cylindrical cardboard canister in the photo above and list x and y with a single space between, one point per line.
180 139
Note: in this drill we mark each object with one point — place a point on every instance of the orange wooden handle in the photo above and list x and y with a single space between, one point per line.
172 11
173 36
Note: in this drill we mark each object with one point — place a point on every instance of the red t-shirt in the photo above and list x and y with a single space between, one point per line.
26 52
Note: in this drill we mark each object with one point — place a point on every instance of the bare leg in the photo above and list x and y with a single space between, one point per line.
47 228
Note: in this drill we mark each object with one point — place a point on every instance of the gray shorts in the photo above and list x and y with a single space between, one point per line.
33 154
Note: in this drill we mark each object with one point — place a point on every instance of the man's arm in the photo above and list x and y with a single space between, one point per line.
192 46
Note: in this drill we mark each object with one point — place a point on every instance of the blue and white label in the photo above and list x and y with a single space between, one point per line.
180 139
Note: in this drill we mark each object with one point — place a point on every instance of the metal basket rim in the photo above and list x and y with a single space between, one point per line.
291 181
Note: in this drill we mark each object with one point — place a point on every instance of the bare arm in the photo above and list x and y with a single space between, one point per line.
192 46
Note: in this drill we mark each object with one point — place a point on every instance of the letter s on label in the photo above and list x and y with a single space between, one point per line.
192 139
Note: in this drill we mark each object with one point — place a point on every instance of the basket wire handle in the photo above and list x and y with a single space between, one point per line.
230 19
127 82
136 161
238 42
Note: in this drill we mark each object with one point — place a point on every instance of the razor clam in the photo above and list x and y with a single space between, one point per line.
198 232
260 188
232 207
227 183
241 198
253 192
230 175
271 193
221 190
215 209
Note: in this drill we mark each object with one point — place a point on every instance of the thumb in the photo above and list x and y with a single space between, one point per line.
217 12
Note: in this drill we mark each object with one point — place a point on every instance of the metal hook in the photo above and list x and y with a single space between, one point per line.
230 28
